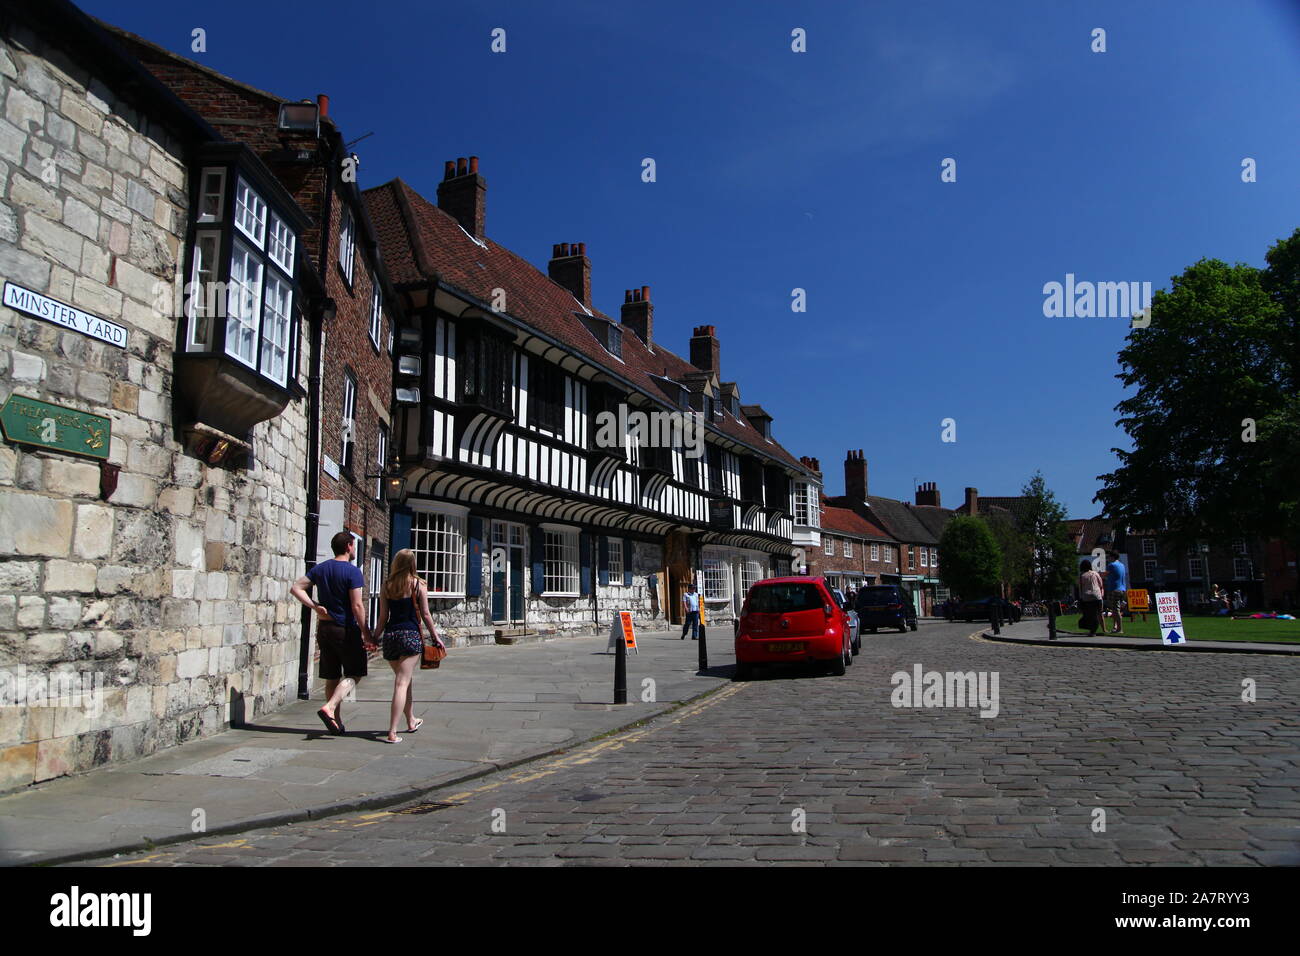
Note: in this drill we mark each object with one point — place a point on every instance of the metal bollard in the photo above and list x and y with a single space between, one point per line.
995 618
704 646
1051 620
620 670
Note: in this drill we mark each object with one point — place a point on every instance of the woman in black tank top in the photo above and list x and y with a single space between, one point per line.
403 604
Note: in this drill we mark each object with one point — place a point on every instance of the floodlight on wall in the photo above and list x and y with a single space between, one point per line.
301 117
409 365
407 396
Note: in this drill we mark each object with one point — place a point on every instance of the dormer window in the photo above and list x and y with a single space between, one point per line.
614 342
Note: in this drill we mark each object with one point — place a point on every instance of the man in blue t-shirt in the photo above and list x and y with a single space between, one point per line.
1116 590
691 612
341 630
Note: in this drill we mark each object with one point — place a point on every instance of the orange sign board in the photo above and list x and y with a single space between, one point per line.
1139 600
629 634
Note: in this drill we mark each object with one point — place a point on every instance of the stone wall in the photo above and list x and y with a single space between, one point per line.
170 593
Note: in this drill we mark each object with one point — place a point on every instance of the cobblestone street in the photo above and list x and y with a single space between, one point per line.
798 767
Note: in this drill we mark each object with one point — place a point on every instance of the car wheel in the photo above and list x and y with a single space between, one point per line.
912 625
848 655
902 628
837 665
857 646
743 671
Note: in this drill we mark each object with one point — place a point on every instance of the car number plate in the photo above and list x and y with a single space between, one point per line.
785 648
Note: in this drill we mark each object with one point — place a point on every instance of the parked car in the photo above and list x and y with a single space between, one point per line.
970 611
886 605
855 631
792 619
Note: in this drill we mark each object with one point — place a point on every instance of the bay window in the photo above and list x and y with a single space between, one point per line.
805 505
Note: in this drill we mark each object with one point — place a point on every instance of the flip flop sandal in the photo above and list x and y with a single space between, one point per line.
330 723
387 741
419 722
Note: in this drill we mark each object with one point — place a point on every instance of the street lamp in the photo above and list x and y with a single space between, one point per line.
1204 549
393 482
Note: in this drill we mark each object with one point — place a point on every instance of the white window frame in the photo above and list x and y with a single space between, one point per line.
239 298
614 563
934 558
1149 569
829 547
204 193
715 579
1148 547
561 561
250 205
277 329
875 552
805 500
751 572
1240 569
446 529
347 242
848 548
348 421
1239 546
376 310
200 291
381 454
1196 568
281 244
925 557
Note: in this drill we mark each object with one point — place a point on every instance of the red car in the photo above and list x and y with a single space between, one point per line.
792 619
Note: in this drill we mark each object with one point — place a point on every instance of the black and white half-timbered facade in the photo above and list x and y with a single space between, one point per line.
561 465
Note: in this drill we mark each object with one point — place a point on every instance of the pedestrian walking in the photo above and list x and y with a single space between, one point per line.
1116 590
403 604
691 609
342 634
1090 595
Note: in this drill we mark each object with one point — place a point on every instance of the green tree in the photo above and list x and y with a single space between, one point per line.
1215 418
1014 570
1048 548
970 562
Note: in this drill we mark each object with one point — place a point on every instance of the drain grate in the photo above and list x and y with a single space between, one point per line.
420 808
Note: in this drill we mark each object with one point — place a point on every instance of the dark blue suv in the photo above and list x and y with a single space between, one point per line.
885 605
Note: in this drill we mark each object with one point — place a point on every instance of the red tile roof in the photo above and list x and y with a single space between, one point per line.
846 521
421 242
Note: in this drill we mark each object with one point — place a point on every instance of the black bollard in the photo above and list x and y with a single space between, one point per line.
1051 620
704 646
995 618
620 670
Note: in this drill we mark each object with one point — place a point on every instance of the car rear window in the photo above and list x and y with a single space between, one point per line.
884 595
784 598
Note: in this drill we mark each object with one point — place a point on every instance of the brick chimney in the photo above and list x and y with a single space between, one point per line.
855 475
462 194
972 501
928 494
639 313
704 348
570 267
812 464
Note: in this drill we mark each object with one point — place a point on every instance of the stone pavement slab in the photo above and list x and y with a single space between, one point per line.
488 707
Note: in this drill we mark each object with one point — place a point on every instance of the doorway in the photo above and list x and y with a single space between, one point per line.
508 546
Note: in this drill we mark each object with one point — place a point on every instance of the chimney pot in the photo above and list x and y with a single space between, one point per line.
570 269
473 164
645 293
464 196
322 105
582 248
638 313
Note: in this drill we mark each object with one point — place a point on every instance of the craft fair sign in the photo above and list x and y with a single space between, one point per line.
60 313
53 426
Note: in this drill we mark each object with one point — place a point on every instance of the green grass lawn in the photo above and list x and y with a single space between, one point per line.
1205 629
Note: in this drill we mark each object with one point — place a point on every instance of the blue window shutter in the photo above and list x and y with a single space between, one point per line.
401 531
584 564
474 569
627 562
603 565
537 551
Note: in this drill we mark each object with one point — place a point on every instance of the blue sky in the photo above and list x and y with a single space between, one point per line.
821 171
